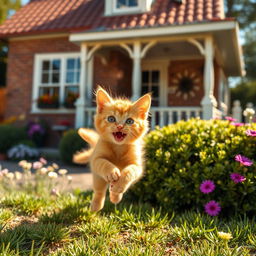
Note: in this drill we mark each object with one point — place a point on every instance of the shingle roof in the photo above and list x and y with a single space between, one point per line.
46 16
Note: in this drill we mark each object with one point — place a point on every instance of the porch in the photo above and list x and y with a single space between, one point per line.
160 116
183 73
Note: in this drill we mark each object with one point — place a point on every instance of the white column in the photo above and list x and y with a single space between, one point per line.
81 101
209 102
89 87
136 74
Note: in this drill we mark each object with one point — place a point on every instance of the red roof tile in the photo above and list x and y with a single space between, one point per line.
45 16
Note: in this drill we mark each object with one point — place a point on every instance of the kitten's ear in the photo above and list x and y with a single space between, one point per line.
142 105
102 97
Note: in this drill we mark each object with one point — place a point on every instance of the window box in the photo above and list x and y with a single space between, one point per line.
48 105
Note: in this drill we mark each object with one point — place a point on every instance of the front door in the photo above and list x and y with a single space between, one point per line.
154 80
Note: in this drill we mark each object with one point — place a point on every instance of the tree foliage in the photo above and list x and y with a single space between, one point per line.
6 7
245 92
243 10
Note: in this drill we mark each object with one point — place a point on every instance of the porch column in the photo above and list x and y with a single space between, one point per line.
208 102
81 101
136 73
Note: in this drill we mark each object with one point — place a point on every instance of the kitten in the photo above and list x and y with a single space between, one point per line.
116 153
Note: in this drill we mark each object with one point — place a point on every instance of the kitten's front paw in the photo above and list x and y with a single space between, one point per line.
122 184
112 176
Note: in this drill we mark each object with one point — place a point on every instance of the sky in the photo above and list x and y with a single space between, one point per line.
24 1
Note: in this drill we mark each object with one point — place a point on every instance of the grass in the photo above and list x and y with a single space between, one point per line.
33 224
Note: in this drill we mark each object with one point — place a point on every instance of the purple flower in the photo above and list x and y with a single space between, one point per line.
237 124
250 133
207 186
35 128
237 178
231 119
212 208
243 160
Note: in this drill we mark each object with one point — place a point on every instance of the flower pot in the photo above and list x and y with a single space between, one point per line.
69 105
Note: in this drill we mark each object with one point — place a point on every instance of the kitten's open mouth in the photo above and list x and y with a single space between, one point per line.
119 136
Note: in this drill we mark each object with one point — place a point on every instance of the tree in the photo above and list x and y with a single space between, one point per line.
244 92
7 7
243 10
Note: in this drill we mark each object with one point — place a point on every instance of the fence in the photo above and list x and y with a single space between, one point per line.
237 111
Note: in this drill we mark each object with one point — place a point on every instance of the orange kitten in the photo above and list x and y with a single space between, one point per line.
116 153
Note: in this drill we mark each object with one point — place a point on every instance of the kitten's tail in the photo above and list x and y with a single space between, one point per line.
91 137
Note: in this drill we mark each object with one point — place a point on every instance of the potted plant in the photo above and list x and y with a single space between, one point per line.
48 101
71 99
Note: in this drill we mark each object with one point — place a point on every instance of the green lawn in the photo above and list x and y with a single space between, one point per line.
35 223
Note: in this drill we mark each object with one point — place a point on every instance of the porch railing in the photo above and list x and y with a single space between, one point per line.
160 116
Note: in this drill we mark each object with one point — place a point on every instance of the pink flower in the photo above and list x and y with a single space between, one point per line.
237 124
237 178
37 165
231 119
212 208
250 133
243 160
207 186
43 161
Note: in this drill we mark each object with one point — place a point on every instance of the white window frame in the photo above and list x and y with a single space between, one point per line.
110 8
127 9
38 59
162 66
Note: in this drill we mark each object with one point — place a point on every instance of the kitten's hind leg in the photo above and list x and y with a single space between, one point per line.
99 193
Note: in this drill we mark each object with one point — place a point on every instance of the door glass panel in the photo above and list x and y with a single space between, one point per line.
151 83
155 76
145 76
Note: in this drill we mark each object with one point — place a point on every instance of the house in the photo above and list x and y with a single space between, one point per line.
181 50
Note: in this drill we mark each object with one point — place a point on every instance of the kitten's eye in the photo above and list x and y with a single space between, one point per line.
111 119
129 121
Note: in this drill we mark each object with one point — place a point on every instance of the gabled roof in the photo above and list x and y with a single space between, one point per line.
52 16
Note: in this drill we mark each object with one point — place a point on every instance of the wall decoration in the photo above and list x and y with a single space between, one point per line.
185 84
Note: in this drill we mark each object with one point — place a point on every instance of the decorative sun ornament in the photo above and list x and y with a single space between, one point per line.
185 84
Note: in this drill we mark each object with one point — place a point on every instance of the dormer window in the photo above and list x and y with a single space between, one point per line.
120 4
122 7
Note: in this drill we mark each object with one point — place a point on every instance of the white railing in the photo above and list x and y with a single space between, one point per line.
160 116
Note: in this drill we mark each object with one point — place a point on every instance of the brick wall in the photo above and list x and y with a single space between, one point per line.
114 72
20 78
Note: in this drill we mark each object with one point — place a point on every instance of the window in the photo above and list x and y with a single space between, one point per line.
119 7
126 3
151 83
56 81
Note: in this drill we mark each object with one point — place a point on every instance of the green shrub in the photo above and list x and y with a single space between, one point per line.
70 143
181 156
10 136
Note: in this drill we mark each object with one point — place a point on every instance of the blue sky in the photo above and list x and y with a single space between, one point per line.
24 1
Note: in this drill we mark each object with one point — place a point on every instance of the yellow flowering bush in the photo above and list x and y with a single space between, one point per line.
193 165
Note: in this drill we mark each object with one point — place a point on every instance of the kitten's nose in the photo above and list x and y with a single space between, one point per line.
119 126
